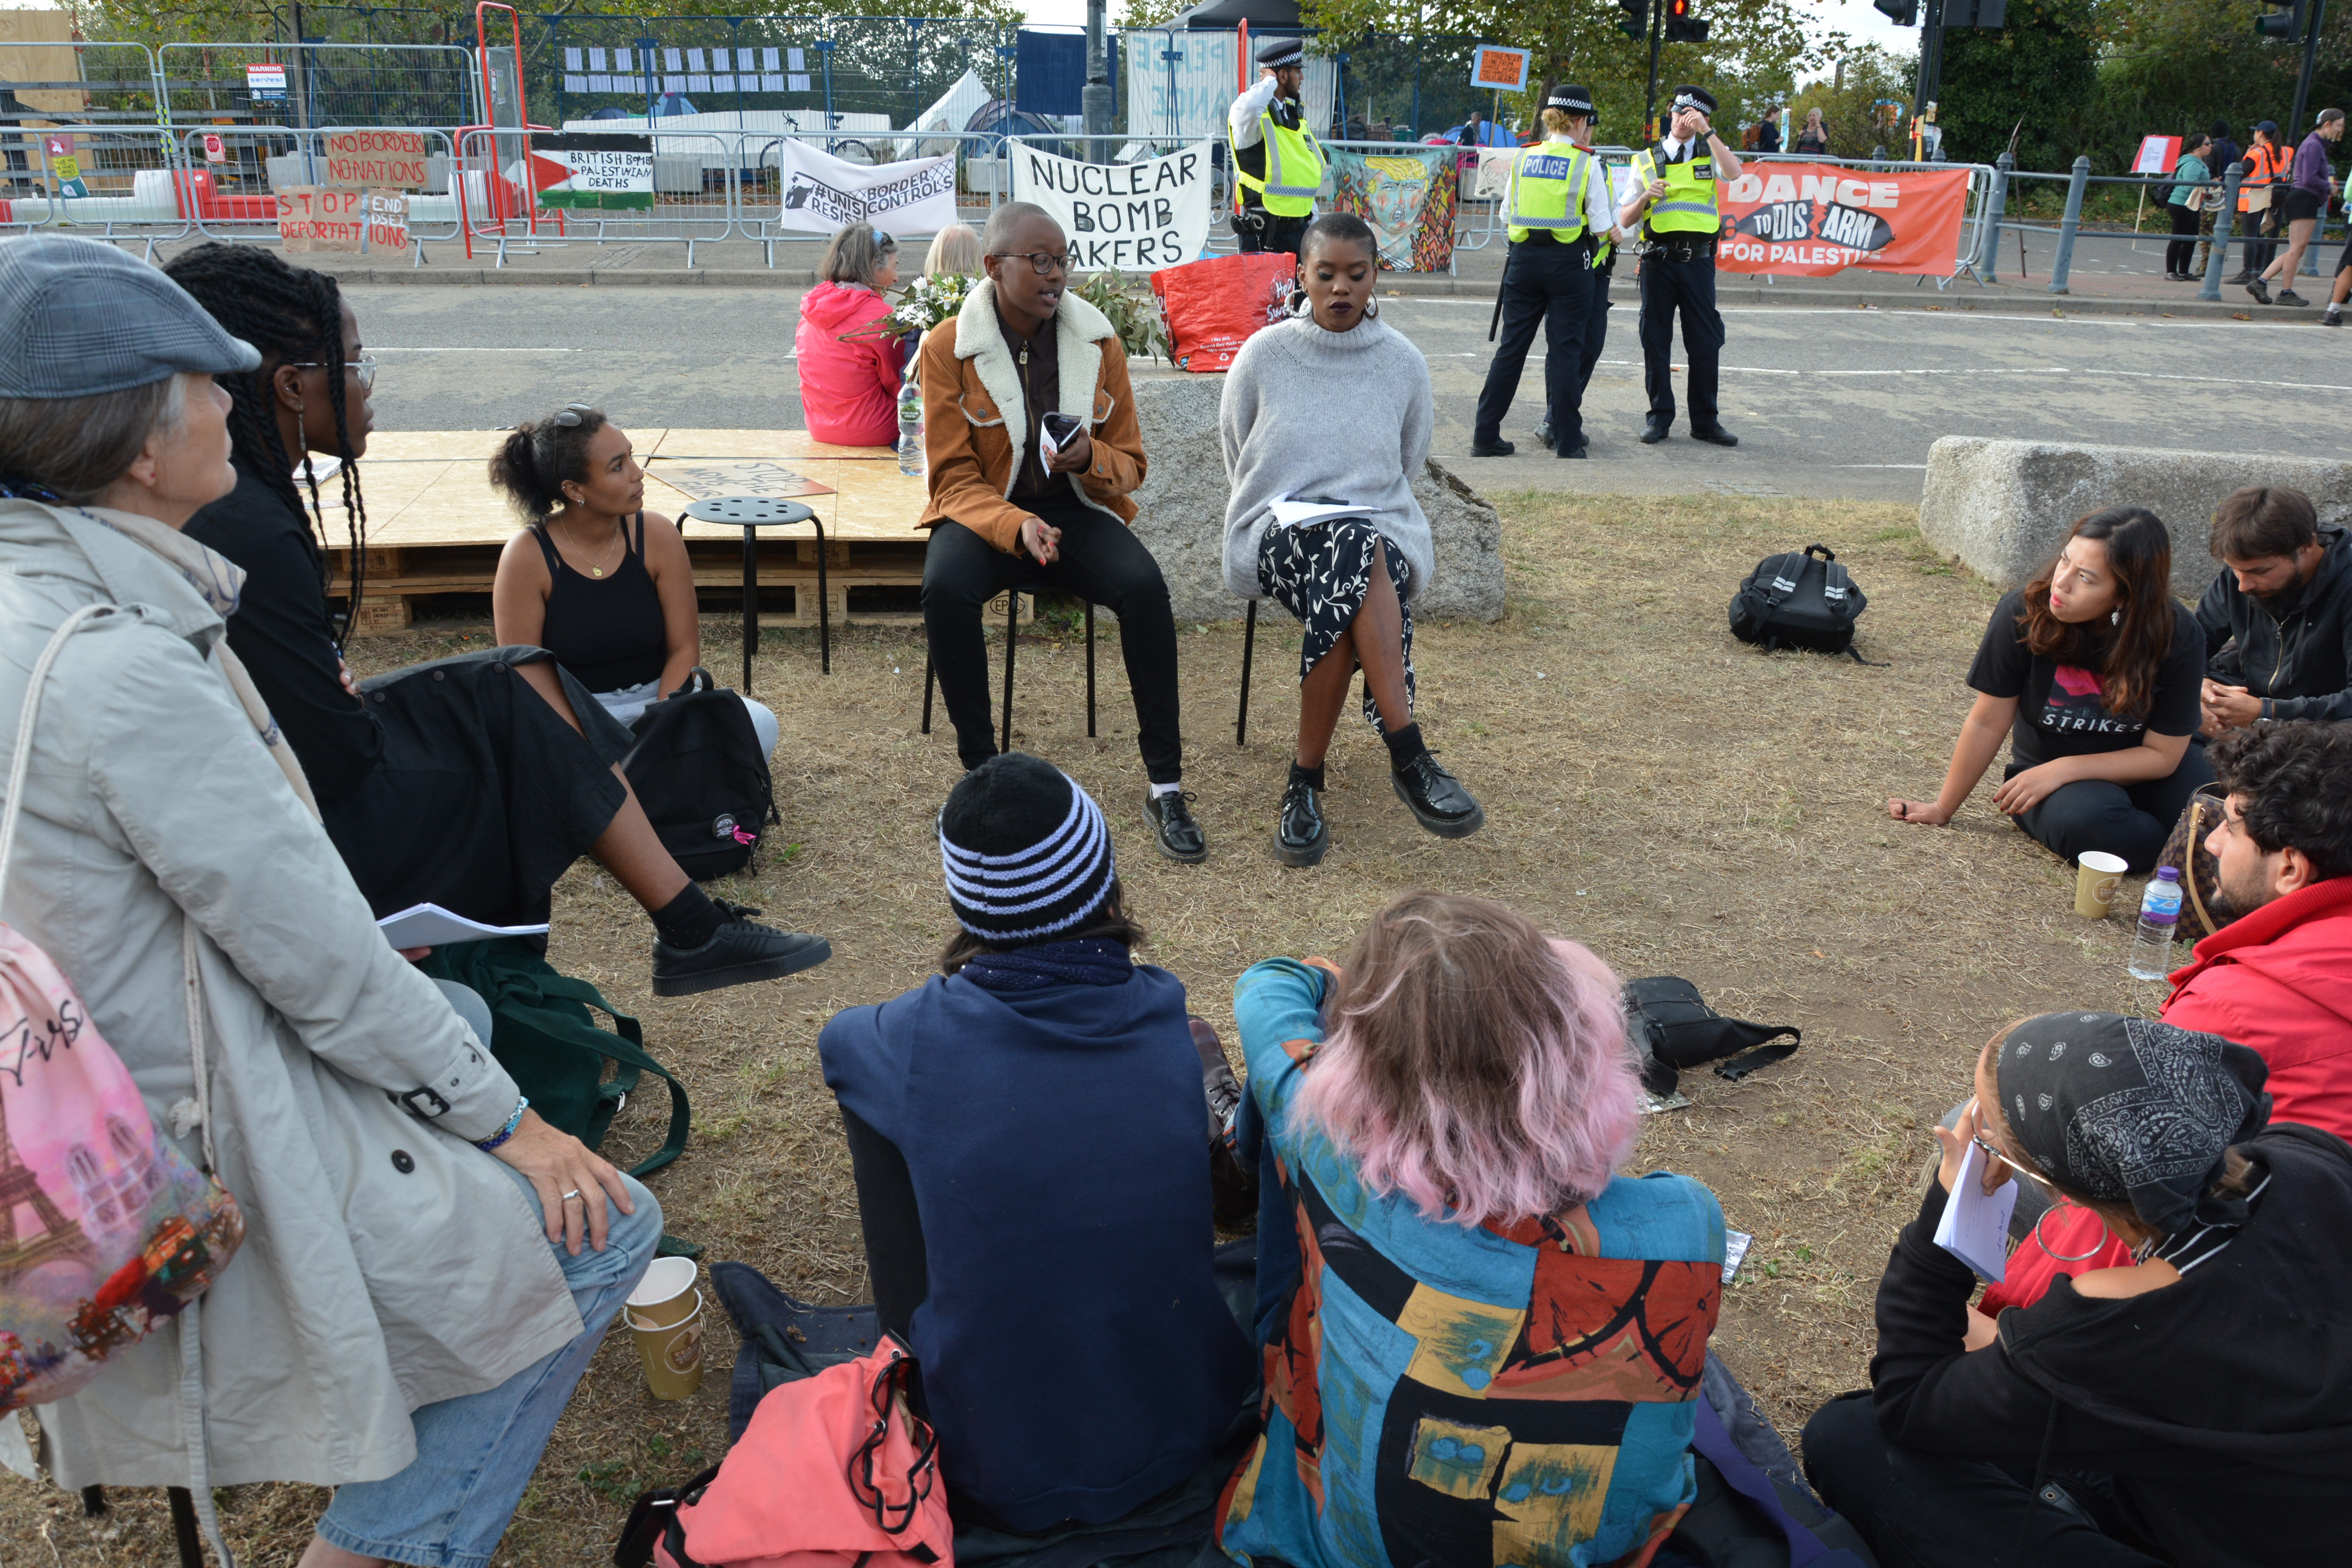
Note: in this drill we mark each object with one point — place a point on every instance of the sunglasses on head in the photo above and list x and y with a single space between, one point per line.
568 417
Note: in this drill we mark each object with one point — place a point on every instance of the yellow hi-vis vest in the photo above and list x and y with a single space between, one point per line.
1688 207
1548 181
1294 167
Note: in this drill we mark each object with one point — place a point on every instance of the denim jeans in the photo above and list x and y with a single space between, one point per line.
476 1454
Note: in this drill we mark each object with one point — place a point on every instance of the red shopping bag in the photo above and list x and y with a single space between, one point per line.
1211 308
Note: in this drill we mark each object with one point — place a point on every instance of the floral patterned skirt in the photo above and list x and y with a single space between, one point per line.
1320 572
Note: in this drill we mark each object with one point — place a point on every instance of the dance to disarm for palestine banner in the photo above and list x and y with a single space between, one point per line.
1137 217
1815 219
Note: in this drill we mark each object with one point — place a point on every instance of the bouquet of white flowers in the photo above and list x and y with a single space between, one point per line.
930 299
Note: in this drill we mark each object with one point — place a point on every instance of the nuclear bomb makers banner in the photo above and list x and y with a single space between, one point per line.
1812 220
1137 217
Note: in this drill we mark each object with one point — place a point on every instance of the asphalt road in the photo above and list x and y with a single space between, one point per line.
1827 402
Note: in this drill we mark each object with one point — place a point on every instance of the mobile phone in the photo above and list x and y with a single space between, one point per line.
1061 427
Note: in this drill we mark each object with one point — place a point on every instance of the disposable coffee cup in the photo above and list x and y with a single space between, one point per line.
665 1317
2097 874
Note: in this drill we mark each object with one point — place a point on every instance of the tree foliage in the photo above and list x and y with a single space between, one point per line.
1850 100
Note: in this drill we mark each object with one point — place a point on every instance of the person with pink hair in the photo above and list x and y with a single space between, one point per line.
1477 1337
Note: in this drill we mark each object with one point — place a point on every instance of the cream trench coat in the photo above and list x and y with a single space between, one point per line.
387 1264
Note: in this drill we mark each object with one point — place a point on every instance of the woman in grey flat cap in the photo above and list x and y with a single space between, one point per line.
390 1326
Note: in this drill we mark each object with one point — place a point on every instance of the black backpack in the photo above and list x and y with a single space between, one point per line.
1676 1030
1799 600
698 771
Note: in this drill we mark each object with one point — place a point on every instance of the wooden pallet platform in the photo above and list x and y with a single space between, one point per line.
436 527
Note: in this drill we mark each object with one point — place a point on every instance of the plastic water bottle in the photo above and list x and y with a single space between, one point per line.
2159 912
910 432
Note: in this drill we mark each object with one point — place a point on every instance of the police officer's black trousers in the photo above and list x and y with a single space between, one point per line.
1668 286
1271 234
1596 337
1552 285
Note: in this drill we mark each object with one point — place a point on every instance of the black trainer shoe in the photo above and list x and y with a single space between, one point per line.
1498 447
1172 827
2289 297
1301 836
1544 436
1232 1187
1583 450
1437 798
2240 280
1655 431
1716 434
742 952
2260 290
2335 318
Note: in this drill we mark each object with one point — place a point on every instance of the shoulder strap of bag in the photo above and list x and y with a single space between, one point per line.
624 1044
1762 1055
2197 831
1787 571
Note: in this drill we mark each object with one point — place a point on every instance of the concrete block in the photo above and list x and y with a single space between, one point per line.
2004 507
1181 511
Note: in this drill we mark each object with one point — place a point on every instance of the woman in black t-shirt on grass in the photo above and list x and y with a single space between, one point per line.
2094 672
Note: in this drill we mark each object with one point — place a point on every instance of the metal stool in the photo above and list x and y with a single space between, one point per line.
753 514
1011 642
185 1533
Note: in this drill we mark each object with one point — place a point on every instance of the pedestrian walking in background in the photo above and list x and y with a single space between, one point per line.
2258 201
2223 152
2310 184
2186 200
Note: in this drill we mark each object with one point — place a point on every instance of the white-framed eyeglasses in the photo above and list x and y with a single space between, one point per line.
363 367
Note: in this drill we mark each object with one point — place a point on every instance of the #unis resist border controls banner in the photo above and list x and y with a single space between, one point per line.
1813 220
1136 218
823 193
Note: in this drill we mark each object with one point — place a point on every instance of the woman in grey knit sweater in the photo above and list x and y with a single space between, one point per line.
1331 408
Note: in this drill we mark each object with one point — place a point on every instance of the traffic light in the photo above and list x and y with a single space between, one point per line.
2284 22
1682 26
1637 25
1902 13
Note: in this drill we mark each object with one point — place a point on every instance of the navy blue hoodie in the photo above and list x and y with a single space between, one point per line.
1076 1357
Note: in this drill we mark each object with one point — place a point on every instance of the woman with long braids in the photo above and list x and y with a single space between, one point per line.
2095 674
474 782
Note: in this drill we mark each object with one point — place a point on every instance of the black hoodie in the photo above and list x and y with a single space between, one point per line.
2295 648
2221 1406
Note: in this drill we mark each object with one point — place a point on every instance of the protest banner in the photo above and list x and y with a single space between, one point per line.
1498 70
1136 218
823 193
314 218
2156 156
600 173
387 222
64 166
1409 198
1812 220
375 160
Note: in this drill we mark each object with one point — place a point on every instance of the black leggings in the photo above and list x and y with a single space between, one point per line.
2129 820
1943 1511
1102 561
2181 252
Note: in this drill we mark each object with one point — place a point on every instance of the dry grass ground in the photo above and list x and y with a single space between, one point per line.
1674 799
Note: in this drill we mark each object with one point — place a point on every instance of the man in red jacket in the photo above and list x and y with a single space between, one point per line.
2278 978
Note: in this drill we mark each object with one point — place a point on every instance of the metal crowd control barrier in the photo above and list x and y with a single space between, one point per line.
123 188
695 200
319 84
983 170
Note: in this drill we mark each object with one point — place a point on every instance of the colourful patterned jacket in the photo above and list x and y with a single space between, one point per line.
1516 1393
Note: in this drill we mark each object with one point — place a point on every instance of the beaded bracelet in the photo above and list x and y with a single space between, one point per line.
503 1133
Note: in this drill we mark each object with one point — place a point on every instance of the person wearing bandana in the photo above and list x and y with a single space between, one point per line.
1677 208
2186 1407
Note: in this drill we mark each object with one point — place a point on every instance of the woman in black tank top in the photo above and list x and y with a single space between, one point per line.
596 579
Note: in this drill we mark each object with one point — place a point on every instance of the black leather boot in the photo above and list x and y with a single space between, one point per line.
1437 797
1301 836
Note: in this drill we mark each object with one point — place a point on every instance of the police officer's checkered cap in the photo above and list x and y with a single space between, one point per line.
1696 98
1566 96
79 319
1280 52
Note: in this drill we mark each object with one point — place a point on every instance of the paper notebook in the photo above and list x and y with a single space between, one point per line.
430 925
1288 514
1975 1226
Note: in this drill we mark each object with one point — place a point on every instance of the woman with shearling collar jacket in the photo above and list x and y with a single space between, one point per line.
1013 503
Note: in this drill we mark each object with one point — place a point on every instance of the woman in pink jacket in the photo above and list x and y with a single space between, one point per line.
849 385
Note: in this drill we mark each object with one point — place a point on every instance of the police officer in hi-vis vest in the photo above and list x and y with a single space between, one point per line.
1277 163
1676 208
1558 214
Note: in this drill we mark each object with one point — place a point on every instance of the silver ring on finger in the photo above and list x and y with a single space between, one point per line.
574 1192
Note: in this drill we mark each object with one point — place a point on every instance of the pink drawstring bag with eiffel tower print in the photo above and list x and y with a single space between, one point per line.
106 1230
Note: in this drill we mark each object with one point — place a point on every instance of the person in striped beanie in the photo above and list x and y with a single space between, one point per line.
1033 1161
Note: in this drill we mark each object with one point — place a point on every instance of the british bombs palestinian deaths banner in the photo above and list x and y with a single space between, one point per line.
823 193
1815 219
1136 218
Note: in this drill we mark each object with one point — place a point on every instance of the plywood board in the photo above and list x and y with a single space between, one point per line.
776 445
43 64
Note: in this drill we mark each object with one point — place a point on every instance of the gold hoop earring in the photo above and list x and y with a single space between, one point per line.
2100 1246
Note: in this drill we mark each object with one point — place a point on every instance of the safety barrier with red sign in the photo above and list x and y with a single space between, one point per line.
1813 220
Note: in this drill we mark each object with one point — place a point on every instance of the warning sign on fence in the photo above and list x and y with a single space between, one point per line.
376 160
1816 219
266 83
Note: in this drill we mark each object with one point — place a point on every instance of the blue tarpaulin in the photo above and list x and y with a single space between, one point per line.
1051 77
